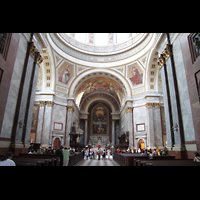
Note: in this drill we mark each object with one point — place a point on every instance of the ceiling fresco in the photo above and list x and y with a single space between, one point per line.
100 85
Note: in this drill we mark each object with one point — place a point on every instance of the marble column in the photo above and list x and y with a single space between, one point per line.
150 126
46 135
157 125
40 122
70 110
167 102
177 128
86 131
129 124
113 133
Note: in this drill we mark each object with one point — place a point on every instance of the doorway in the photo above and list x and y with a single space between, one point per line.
141 144
56 143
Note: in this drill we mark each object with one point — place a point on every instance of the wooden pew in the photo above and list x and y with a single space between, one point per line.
44 160
127 159
165 163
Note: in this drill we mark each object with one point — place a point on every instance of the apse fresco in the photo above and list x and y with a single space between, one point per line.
100 84
135 74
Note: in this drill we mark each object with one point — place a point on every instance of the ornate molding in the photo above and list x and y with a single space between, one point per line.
161 60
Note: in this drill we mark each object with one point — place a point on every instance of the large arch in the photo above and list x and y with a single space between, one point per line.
126 85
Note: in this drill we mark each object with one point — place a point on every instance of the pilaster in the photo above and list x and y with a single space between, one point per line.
113 133
46 134
129 124
150 127
40 122
70 110
173 100
86 131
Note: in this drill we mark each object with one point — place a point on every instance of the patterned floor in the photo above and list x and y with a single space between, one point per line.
95 162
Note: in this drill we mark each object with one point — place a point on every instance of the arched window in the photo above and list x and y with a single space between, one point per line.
101 39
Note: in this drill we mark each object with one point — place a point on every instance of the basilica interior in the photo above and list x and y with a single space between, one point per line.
145 86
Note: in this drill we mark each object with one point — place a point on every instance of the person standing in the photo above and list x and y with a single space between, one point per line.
108 154
99 153
104 154
7 160
95 154
66 154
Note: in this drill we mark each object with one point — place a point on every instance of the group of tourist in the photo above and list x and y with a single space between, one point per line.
98 154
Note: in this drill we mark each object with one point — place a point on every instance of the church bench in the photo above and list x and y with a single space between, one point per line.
127 159
138 162
73 159
32 161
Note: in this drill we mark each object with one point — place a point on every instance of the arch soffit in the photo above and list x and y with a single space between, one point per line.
86 73
152 66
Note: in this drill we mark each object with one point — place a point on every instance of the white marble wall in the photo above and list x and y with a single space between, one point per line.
188 126
13 90
31 105
46 135
40 123
58 116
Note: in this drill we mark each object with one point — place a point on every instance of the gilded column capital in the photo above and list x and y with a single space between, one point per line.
35 53
39 59
113 120
50 103
86 120
70 108
157 105
167 51
129 109
161 60
149 105
42 103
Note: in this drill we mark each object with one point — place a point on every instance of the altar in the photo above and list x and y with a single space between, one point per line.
103 141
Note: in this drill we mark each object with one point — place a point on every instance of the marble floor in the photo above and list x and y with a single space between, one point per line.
96 162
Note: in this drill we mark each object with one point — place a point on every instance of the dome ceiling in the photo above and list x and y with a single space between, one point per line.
70 48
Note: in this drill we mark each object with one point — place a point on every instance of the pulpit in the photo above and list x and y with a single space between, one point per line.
75 138
123 141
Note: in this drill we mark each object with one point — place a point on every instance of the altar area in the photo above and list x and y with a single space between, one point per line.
95 141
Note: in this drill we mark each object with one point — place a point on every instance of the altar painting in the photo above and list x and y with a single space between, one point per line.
100 119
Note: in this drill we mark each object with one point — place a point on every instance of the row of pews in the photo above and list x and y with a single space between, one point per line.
44 160
135 159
